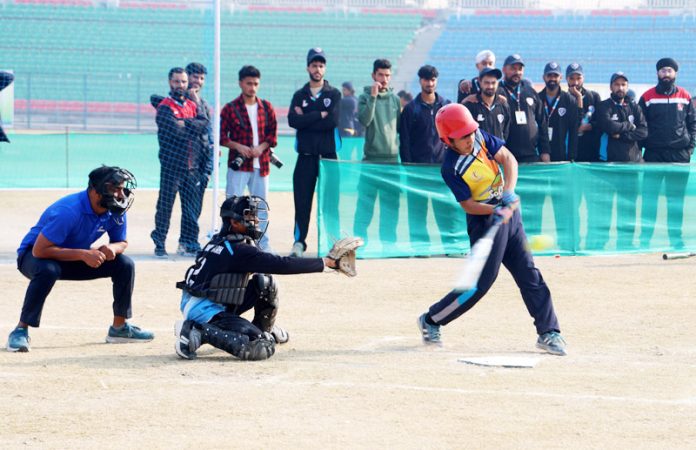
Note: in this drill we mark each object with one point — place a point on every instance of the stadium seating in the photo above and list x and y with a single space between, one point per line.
70 52
602 41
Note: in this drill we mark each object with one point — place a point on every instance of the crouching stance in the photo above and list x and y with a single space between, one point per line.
232 276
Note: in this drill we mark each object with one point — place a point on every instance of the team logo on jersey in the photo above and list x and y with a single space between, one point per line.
561 112
479 118
530 101
501 118
304 103
476 176
680 107
614 117
327 102
631 118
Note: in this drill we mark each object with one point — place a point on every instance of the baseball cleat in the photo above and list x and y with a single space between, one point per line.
18 340
188 339
280 335
552 342
430 333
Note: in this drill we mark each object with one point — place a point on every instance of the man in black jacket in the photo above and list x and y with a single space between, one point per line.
6 79
314 113
420 144
671 120
625 126
490 109
587 102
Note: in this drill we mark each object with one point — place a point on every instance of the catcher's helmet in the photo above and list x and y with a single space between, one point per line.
105 180
250 211
454 121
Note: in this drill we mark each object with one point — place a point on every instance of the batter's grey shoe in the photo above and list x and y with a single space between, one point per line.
430 333
297 250
18 340
280 336
552 342
188 339
128 333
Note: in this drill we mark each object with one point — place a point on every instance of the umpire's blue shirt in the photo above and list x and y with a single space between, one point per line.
72 223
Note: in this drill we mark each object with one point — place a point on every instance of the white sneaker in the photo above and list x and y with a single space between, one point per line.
297 250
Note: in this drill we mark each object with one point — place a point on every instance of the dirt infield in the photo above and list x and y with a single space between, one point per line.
355 374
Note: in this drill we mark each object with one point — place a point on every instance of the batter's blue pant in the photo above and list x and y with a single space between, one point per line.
509 249
44 273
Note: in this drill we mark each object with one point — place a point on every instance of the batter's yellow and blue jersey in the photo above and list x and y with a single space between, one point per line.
476 175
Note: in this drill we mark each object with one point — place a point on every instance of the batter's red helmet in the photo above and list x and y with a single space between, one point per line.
454 121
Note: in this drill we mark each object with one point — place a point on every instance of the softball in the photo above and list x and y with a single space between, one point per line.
540 242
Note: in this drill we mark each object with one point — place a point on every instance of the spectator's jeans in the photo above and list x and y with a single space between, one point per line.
44 273
238 181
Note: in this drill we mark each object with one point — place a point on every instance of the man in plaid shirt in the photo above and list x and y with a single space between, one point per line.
248 128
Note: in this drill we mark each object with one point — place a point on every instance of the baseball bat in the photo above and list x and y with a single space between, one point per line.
677 255
473 265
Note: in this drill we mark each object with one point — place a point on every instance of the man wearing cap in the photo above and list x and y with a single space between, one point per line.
624 124
313 112
528 139
379 111
489 109
587 102
348 124
484 59
671 139
420 144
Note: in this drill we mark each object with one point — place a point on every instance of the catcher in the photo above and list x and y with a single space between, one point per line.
231 276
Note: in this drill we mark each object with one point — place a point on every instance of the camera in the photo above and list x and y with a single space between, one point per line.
237 162
275 161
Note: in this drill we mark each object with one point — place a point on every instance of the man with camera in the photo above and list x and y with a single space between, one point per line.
248 128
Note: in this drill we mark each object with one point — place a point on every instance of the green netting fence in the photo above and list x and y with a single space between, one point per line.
403 210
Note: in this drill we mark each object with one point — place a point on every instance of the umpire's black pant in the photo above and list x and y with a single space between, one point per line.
44 273
509 249
304 182
190 184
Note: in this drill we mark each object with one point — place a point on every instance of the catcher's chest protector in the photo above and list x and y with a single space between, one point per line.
228 288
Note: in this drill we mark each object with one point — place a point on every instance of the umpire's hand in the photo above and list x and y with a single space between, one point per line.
93 258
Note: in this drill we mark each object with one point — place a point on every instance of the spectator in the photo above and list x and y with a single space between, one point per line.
348 124
528 139
248 128
6 79
420 144
314 112
58 247
587 102
671 120
180 127
378 112
404 98
484 59
625 126
490 110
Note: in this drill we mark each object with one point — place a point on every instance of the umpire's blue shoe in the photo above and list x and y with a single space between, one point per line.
18 341
552 342
430 333
128 333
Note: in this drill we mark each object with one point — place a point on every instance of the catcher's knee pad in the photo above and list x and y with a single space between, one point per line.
266 306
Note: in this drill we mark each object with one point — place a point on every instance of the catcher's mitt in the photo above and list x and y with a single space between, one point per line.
343 252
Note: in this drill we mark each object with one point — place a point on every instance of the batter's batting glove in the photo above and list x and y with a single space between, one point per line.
509 197
343 254
503 213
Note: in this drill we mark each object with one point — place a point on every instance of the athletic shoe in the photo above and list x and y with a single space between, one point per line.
18 341
187 251
188 339
280 336
297 250
128 333
160 252
430 333
552 342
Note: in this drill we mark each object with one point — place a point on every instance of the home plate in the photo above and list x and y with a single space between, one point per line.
502 361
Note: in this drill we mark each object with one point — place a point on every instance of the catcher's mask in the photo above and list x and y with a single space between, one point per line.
107 181
250 211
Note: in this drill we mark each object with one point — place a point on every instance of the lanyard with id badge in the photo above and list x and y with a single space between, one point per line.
550 112
520 116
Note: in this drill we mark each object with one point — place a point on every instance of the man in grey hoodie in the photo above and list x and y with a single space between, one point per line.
378 111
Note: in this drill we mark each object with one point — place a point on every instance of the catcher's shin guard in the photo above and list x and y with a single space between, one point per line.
237 344
266 306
